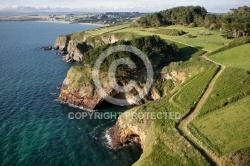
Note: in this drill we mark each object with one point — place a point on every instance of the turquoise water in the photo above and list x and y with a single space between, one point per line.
34 129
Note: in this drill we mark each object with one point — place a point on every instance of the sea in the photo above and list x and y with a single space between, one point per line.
34 128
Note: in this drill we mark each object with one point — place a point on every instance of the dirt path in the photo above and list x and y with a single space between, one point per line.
182 126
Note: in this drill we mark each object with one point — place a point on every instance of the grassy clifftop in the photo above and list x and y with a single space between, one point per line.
222 121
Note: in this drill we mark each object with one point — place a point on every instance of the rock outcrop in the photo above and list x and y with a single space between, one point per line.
75 45
78 90
62 42
74 56
45 48
123 133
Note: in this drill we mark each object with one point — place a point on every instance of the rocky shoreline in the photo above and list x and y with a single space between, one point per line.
124 133
116 141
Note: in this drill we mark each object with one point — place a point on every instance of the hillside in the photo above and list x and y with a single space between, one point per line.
233 24
235 57
210 91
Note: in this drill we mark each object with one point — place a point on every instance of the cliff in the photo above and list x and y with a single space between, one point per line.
125 132
78 90
75 45
159 141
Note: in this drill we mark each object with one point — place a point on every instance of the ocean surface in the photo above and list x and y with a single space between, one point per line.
34 128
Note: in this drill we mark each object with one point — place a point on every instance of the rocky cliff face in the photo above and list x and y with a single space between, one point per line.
78 90
61 42
75 45
123 133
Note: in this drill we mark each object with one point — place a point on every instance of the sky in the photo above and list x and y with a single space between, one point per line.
118 5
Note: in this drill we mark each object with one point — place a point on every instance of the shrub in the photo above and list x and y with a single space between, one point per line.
170 32
192 25
189 36
205 33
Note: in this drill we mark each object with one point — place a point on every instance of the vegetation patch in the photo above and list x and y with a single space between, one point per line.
187 97
232 44
234 24
169 32
237 57
232 85
161 53
227 129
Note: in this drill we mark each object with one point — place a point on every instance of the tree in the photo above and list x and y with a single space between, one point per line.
179 15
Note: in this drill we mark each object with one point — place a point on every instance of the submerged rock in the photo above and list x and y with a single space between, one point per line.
45 48
62 52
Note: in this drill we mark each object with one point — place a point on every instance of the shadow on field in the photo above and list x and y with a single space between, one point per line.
187 52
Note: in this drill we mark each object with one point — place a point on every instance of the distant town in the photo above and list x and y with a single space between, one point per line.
109 18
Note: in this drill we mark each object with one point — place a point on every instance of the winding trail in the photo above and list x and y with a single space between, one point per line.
182 125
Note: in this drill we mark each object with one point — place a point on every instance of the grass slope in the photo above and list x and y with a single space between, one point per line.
223 122
226 129
237 57
232 85
164 145
210 42
190 94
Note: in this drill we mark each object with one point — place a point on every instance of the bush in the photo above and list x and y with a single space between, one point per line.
189 36
170 32
192 25
205 33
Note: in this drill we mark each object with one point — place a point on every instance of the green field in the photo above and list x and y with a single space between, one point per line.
187 97
226 129
210 42
163 143
237 57
232 85
108 29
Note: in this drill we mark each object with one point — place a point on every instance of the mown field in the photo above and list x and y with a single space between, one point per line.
226 129
223 122
198 37
108 29
187 97
237 57
210 42
232 85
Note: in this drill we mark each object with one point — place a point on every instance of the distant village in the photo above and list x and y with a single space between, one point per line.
109 18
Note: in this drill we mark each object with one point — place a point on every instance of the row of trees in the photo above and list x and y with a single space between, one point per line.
235 23
178 15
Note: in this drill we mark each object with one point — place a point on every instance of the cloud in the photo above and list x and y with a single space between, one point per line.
109 5
16 8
